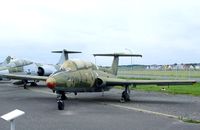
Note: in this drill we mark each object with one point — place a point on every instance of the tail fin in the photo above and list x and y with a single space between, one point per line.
7 60
64 56
116 56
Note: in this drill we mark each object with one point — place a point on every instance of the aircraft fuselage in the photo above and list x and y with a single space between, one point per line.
81 81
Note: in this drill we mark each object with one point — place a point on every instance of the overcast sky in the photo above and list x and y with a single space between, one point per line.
163 31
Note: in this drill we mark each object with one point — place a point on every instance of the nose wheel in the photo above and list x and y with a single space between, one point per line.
61 105
60 100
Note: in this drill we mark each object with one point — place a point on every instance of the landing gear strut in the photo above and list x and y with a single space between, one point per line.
25 86
25 83
61 104
63 96
125 95
60 100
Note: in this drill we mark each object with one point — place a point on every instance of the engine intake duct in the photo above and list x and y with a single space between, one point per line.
40 71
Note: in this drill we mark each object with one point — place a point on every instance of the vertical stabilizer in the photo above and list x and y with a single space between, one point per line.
115 64
116 56
7 60
64 55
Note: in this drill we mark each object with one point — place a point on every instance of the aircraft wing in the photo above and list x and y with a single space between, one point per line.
25 77
124 82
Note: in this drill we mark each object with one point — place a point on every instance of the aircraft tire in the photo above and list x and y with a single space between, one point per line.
61 105
125 96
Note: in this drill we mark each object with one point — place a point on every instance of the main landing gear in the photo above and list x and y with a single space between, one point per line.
60 100
25 86
125 95
33 84
25 82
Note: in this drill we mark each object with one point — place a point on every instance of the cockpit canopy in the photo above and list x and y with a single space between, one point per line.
72 65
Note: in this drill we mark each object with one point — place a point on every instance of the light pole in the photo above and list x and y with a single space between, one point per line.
131 57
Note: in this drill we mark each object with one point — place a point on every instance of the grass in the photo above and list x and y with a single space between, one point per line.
193 90
173 89
174 73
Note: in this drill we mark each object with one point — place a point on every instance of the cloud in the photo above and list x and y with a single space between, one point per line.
166 30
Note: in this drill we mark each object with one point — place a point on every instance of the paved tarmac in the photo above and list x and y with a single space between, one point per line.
92 111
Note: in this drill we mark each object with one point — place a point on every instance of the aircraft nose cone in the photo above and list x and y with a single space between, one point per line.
51 83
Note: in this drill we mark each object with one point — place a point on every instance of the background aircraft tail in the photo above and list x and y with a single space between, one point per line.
115 62
7 60
64 55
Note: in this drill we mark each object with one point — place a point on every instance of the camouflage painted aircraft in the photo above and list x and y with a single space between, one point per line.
39 69
11 65
47 69
81 76
6 61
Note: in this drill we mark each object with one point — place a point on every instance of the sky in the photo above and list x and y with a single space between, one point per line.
164 32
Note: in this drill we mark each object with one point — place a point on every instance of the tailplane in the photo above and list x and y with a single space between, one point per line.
64 55
115 62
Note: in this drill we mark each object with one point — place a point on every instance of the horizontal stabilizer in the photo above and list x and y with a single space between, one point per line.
66 51
119 54
64 55
116 59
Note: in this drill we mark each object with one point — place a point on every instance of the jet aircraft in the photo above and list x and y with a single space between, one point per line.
86 77
6 61
11 65
39 69
48 69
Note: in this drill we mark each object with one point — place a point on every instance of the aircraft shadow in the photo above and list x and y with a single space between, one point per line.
117 100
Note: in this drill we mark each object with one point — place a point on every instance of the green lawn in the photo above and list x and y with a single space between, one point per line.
176 89
174 73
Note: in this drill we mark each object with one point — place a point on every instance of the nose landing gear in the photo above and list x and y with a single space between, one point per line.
61 104
60 100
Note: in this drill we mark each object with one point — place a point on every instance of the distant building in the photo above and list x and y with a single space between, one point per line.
191 66
197 67
154 67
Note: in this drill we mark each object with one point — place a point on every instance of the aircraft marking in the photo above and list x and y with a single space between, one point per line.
145 111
